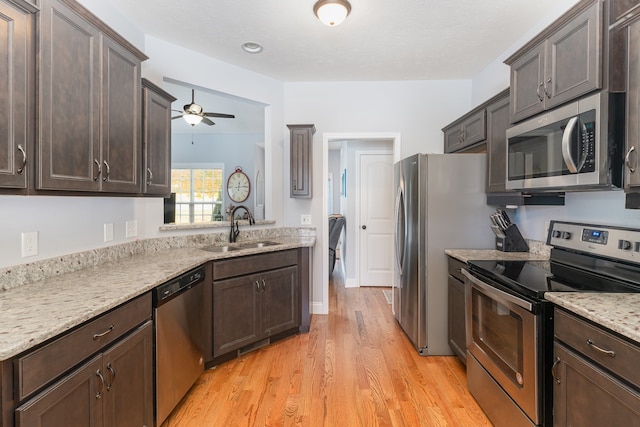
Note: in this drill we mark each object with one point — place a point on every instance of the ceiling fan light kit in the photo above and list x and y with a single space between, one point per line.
192 119
332 12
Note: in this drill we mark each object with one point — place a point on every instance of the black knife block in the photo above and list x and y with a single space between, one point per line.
512 241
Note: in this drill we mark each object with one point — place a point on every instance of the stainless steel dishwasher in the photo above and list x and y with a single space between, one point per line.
180 339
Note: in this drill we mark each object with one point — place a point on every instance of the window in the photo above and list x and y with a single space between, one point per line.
199 196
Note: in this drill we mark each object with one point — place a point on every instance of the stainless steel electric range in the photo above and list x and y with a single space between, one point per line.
510 324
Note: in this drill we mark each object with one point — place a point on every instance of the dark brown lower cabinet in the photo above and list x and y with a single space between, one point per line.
596 378
457 328
248 309
113 388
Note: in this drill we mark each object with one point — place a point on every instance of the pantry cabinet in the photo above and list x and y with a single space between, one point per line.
89 136
562 63
156 139
16 92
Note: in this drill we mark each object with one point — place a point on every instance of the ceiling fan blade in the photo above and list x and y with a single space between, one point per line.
207 121
176 117
223 116
178 111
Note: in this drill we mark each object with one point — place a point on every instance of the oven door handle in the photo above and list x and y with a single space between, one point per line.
494 292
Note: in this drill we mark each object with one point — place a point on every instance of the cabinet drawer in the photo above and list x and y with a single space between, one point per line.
578 334
45 364
254 263
455 266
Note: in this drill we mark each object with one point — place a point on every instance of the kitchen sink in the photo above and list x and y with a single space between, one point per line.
240 246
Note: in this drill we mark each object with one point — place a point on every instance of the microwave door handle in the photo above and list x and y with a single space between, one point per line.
566 145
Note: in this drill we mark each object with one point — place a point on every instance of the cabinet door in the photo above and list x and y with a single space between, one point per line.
127 367
573 63
280 301
156 140
235 313
75 401
453 139
15 103
527 84
474 129
301 160
497 123
121 119
457 329
632 172
69 101
586 396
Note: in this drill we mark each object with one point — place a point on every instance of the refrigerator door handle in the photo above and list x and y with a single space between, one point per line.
399 247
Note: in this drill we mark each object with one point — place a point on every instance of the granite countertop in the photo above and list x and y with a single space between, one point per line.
617 312
466 255
35 312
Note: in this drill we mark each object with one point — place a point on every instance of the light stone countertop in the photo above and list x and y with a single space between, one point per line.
466 255
618 312
35 312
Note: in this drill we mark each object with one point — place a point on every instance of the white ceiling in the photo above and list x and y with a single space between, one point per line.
379 40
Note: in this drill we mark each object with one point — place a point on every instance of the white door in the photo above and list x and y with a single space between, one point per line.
375 226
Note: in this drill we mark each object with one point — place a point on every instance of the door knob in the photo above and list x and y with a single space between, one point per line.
364 227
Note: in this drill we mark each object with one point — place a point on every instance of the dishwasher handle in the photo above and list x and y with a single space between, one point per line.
169 290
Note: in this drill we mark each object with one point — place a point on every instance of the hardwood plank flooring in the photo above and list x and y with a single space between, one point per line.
354 368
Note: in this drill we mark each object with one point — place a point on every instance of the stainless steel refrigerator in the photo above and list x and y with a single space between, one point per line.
440 203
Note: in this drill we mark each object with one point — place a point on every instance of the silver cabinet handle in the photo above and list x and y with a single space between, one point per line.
257 286
554 370
627 160
264 285
538 91
106 176
545 88
593 345
113 376
102 334
99 375
95 178
24 159
149 176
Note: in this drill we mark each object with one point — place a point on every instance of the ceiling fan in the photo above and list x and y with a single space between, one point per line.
193 113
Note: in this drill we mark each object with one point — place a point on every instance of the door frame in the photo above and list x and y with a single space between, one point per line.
323 241
359 154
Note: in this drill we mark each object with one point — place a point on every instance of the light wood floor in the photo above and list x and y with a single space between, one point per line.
354 368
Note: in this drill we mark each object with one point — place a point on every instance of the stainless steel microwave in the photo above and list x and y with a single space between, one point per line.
574 147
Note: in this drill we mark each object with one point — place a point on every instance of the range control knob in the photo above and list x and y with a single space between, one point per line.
566 235
625 245
556 234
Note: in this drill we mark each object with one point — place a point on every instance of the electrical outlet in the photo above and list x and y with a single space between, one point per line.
305 219
108 232
29 244
131 228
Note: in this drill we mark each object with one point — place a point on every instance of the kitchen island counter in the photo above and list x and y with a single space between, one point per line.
619 312
34 312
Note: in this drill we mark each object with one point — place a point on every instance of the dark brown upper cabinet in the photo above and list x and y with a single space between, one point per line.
89 127
301 160
156 139
560 64
16 92
465 132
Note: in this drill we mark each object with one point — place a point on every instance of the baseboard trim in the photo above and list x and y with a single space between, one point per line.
351 283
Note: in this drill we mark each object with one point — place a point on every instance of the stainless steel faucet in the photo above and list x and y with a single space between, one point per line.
233 234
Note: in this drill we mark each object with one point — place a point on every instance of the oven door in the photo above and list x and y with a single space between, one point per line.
502 336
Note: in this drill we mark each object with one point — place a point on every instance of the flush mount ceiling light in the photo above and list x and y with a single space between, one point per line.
251 47
332 12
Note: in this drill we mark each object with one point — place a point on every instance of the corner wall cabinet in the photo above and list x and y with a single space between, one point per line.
301 160
562 63
106 381
16 92
255 297
156 139
89 136
596 380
